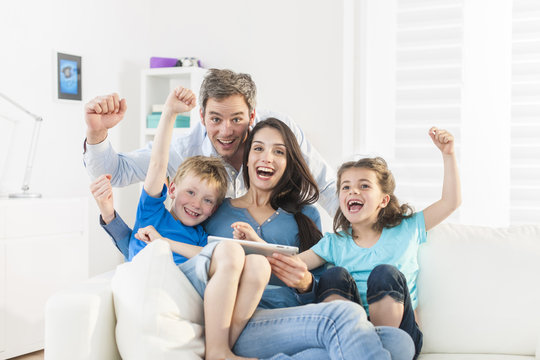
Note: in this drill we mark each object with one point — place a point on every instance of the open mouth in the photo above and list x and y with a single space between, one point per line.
225 142
192 214
354 205
265 172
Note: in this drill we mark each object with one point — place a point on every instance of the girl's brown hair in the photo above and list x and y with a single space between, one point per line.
389 216
296 188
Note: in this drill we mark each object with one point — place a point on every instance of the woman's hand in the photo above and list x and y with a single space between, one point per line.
147 234
244 231
292 271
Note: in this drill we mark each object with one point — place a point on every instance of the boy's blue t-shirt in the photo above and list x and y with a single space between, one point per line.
397 246
152 211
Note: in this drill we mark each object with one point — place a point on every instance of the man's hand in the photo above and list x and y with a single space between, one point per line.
101 189
101 114
180 100
292 271
148 234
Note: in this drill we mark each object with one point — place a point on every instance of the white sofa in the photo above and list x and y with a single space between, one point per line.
479 298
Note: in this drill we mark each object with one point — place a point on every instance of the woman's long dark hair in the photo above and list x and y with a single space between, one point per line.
296 188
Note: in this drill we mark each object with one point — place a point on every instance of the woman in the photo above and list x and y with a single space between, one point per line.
278 205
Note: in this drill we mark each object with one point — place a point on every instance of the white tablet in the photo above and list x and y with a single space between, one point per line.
252 247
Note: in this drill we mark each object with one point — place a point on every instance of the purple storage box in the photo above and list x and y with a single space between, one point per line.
158 62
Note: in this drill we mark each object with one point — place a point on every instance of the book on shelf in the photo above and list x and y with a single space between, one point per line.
152 120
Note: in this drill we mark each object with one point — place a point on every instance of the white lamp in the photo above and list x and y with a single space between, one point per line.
31 154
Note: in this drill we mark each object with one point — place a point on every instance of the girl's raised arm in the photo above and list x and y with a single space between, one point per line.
451 191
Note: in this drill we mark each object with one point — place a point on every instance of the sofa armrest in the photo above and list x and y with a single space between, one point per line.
80 322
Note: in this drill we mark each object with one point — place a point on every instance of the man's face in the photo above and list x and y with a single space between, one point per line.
227 122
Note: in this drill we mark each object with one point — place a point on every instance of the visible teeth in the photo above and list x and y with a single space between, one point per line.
354 202
264 171
226 141
192 213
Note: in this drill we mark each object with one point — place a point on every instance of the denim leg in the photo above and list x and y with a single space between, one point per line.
388 280
196 268
275 297
337 281
311 354
339 327
397 342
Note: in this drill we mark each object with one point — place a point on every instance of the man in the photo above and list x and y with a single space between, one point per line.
227 109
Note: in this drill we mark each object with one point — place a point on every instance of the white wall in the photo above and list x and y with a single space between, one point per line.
293 49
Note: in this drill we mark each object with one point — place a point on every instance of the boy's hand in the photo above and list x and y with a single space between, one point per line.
443 140
180 100
148 234
102 113
101 189
244 231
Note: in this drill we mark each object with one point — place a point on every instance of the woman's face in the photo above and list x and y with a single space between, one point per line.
267 159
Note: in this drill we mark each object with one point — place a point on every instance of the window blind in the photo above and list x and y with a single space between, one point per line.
525 119
428 93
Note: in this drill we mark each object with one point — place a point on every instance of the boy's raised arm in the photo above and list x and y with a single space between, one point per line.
451 192
179 100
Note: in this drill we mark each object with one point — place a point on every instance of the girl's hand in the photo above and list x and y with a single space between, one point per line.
147 234
244 231
443 140
292 271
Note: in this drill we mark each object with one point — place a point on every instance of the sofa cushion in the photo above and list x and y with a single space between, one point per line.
479 290
159 313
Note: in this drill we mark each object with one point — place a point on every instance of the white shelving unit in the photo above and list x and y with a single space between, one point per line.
157 83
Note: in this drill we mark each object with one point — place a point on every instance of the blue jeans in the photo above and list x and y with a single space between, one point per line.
196 268
383 280
335 330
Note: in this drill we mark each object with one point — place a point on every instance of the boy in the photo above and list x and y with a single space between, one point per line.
236 281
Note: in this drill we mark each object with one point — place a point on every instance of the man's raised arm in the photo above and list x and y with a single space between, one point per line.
101 114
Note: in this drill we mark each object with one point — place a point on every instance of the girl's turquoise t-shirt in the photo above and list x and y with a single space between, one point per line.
397 246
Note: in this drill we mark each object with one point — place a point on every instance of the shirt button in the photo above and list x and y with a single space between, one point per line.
268 220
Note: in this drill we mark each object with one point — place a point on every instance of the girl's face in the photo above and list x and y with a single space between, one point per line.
267 159
360 196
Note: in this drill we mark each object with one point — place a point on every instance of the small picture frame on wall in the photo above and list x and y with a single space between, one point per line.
69 76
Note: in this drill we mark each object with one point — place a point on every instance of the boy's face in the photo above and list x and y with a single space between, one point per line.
194 200
227 122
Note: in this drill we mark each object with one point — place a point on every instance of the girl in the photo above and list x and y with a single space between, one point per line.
379 239
376 240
